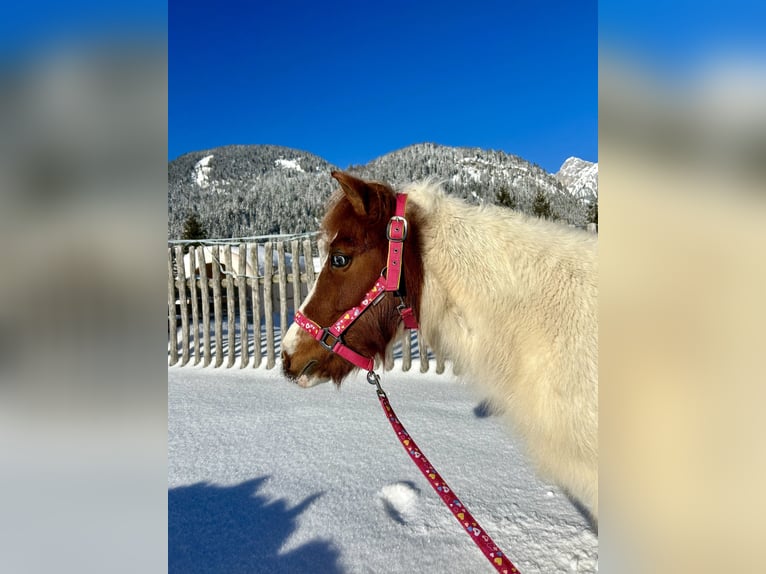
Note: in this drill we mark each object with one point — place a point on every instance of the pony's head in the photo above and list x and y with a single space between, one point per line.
354 247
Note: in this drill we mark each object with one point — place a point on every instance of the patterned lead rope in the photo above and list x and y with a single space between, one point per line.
499 560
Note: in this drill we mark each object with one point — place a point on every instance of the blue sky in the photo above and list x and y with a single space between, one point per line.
351 81
674 37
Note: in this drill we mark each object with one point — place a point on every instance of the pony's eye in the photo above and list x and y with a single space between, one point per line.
338 260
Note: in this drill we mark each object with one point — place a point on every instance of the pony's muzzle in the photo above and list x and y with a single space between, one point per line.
286 363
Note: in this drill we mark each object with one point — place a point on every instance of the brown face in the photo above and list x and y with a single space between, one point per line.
354 249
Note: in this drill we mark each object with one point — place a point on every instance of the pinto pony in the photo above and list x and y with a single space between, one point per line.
509 299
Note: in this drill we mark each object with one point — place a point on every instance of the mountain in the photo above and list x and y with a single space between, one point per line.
479 176
580 177
240 191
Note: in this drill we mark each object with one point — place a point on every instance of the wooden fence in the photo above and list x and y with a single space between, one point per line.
231 304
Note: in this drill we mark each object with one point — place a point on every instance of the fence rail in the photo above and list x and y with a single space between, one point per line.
254 289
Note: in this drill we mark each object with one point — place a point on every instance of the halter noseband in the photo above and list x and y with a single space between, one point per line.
331 338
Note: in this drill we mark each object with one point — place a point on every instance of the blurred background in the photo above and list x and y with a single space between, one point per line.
83 158
682 153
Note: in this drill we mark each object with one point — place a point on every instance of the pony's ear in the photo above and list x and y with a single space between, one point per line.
358 192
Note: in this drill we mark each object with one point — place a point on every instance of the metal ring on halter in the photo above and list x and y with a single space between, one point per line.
325 336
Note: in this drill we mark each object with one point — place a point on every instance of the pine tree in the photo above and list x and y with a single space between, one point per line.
592 213
193 229
504 198
541 207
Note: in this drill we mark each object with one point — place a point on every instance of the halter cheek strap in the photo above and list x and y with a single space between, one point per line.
331 338
396 232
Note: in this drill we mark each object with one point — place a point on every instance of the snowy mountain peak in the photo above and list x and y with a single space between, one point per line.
580 177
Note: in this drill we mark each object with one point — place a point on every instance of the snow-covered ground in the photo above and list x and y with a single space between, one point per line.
267 477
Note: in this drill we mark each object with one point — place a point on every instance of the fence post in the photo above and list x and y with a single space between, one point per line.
205 293
388 358
255 301
439 363
295 252
230 309
194 306
282 276
423 351
407 350
268 308
182 302
308 257
244 339
217 304
172 321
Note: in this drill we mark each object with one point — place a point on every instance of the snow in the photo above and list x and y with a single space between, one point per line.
400 500
202 171
288 164
472 173
475 168
579 176
267 477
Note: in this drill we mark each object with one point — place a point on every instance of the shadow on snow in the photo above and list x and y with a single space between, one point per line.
232 529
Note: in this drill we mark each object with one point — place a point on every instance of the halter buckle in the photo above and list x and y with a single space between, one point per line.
324 334
399 234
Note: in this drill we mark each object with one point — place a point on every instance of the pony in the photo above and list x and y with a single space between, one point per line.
509 299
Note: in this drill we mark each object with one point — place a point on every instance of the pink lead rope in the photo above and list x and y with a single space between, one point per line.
485 543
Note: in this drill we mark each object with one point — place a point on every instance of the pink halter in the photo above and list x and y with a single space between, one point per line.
331 338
